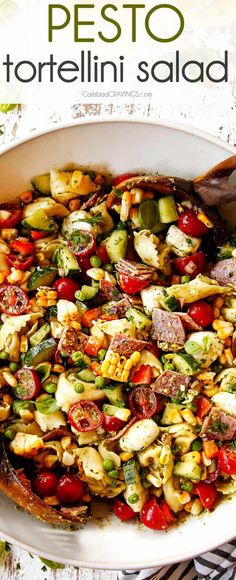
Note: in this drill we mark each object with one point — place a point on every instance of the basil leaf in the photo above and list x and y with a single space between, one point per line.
46 405
192 347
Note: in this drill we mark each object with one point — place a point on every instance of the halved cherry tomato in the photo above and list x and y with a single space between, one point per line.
89 316
10 215
45 484
13 300
131 285
66 288
142 402
69 489
202 313
101 252
85 416
38 235
143 375
22 246
28 384
227 460
166 511
189 223
21 254
191 265
152 516
207 494
83 244
123 177
93 346
123 511
112 424
203 407
152 346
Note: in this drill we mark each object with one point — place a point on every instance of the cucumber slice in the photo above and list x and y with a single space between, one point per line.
170 303
40 222
40 335
67 261
41 352
189 470
167 210
42 183
140 320
118 412
148 214
86 375
42 277
116 245
185 363
115 396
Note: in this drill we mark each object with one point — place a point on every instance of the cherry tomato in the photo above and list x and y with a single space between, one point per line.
18 261
83 244
123 177
10 215
123 511
28 384
45 484
142 402
69 489
112 424
191 265
102 254
66 288
85 416
131 285
207 493
21 254
202 313
189 223
166 511
152 516
142 376
13 300
227 460
38 235
84 263
203 407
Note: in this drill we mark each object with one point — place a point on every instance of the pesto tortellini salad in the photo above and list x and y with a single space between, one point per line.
117 348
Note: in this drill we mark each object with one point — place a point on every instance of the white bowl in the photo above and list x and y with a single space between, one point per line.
118 146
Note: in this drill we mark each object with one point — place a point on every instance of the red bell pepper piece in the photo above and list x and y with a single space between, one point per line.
203 407
143 375
207 493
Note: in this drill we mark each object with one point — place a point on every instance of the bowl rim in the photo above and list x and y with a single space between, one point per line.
91 120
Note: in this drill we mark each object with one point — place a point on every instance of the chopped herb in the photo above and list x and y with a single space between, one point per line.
218 426
233 444
93 220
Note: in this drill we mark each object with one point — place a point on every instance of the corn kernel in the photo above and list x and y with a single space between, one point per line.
125 206
196 508
188 506
58 369
15 276
211 392
9 234
96 273
229 356
136 195
224 329
222 359
204 473
183 497
26 415
9 378
125 456
205 220
188 416
23 344
218 302
216 312
75 324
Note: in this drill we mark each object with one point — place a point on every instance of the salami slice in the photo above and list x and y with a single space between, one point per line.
135 269
224 272
219 425
126 346
109 292
71 340
188 322
167 327
117 308
170 383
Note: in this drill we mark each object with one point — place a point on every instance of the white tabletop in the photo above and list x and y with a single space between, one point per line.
216 120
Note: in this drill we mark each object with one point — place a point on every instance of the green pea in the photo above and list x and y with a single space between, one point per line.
185 279
108 465
196 445
9 433
100 382
187 486
146 483
108 268
114 474
95 261
102 354
133 498
13 367
169 367
50 388
79 388
3 355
